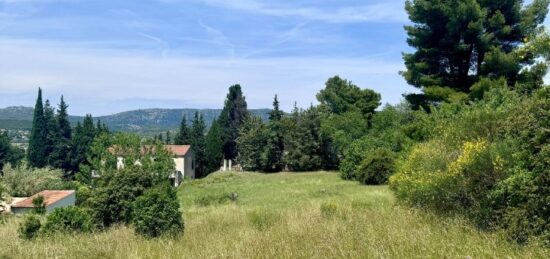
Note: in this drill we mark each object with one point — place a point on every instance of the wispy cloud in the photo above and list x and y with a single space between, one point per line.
383 11
219 38
102 81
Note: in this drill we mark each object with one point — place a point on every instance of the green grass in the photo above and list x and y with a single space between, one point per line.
249 215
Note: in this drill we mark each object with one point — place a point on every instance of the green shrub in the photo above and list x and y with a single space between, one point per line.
157 213
67 220
376 167
23 181
39 205
29 228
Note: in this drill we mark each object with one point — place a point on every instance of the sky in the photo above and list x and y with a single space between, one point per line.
109 56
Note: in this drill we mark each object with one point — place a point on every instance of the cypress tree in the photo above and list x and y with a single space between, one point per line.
233 116
198 128
37 155
184 136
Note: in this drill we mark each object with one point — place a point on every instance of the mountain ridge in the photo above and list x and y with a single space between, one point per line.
146 122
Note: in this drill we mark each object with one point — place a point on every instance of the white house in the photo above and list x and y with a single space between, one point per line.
184 162
52 200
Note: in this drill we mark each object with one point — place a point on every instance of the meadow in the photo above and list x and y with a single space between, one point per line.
284 215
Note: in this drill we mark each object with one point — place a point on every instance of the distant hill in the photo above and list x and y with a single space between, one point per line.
146 122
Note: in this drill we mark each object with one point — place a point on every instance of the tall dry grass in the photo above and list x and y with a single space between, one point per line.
313 215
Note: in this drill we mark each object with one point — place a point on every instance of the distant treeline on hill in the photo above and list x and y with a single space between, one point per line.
146 122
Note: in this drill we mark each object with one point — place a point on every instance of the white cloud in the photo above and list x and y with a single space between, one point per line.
100 81
384 11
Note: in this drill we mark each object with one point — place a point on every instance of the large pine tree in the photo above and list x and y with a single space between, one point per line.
233 116
37 152
459 41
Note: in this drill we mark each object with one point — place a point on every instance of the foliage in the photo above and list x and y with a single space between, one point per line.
39 206
67 220
183 137
458 42
23 181
8 153
343 96
251 142
156 213
30 227
37 149
143 167
213 149
198 144
232 118
377 167
487 161
60 156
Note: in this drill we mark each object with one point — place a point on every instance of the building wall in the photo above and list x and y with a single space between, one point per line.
190 165
180 163
65 202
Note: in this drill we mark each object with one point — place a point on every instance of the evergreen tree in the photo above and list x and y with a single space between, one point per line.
233 116
458 42
159 138
168 138
84 135
61 149
213 149
252 142
184 136
37 155
9 154
198 143
52 133
272 156
342 96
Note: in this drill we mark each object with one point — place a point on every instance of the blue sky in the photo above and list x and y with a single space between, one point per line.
108 56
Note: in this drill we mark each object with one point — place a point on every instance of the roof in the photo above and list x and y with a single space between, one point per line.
178 150
50 197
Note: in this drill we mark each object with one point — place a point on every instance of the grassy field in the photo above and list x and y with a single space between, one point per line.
307 215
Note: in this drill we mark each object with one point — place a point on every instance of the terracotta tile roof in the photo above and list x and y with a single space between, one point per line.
178 150
50 197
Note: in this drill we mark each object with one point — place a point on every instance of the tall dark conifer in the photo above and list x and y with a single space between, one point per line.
273 151
84 135
62 146
184 136
213 149
233 116
37 155
198 128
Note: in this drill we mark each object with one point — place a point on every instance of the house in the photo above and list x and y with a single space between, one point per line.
52 200
184 162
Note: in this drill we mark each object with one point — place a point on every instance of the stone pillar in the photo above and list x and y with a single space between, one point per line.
230 166
224 165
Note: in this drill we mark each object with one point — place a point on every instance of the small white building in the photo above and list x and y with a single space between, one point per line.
52 200
184 163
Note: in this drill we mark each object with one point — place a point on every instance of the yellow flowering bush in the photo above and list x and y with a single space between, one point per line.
437 176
